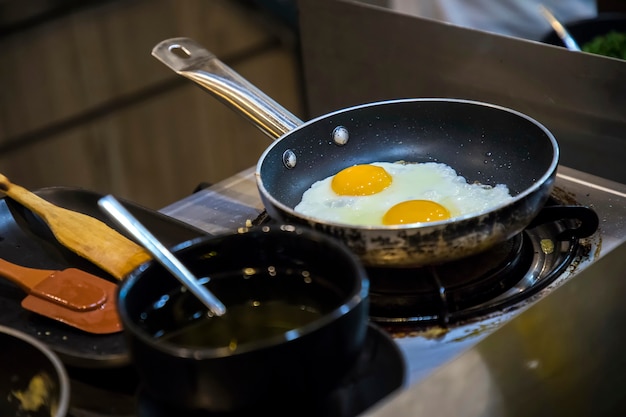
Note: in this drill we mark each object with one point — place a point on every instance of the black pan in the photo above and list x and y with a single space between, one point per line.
26 240
483 142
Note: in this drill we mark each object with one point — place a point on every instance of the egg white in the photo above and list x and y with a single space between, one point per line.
433 181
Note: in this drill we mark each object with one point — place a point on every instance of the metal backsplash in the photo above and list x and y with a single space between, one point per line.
355 52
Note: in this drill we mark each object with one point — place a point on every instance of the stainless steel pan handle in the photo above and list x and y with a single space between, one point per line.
188 58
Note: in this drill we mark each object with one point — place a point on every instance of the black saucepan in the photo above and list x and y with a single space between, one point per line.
484 143
276 361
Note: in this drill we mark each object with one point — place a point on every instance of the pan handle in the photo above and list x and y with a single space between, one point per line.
188 58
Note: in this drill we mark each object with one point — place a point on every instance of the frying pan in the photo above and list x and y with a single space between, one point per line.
483 142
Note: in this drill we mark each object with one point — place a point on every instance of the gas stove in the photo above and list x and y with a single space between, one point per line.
450 310
416 328
432 325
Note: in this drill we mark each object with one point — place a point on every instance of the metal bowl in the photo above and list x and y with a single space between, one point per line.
33 380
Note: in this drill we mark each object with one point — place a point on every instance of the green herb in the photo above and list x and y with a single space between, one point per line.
613 44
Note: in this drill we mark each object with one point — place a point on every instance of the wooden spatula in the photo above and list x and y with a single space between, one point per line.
71 296
87 236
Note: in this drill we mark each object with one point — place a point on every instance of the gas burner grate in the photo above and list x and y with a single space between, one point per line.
489 282
431 292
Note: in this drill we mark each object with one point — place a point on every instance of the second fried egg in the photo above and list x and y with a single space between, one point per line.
385 193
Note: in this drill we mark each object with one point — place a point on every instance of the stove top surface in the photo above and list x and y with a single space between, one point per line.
117 392
401 353
235 202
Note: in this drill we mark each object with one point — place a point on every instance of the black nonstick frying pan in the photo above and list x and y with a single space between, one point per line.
484 143
26 240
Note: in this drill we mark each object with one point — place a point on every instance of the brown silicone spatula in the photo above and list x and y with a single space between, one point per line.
71 296
85 235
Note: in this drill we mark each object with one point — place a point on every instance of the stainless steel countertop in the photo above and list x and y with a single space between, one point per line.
221 208
564 356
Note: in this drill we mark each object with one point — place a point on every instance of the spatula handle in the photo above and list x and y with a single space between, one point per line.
26 278
87 236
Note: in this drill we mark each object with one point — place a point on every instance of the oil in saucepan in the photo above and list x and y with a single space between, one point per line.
259 305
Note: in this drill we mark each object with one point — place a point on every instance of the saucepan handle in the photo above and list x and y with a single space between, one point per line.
191 60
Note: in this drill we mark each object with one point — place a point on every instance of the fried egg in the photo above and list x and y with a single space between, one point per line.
386 193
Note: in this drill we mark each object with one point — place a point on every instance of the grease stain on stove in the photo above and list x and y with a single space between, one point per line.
547 246
563 196
431 333
438 333
480 330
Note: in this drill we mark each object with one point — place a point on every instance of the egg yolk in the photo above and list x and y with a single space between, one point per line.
415 211
361 180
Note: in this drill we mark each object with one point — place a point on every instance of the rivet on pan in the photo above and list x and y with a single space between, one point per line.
289 159
340 135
